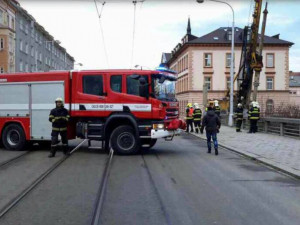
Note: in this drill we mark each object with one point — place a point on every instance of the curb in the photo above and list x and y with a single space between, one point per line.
285 172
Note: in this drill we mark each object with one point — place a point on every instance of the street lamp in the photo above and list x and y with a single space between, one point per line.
230 121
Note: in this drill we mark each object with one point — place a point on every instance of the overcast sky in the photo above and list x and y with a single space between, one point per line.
160 25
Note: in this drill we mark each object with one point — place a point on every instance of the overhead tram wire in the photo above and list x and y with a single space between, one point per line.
101 30
134 25
133 35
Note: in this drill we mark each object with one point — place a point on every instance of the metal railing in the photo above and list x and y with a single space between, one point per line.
278 126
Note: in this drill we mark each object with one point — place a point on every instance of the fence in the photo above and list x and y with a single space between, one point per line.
273 125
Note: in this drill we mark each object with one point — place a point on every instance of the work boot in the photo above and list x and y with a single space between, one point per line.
66 150
209 151
216 152
52 152
197 131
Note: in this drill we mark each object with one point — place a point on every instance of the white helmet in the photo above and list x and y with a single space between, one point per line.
240 105
196 106
216 103
59 99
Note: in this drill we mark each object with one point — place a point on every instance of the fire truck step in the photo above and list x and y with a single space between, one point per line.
95 148
94 136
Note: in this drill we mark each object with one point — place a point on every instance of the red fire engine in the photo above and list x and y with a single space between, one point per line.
118 107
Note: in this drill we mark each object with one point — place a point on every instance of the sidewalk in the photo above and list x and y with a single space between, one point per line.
281 153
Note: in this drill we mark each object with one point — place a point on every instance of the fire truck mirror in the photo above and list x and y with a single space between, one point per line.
162 79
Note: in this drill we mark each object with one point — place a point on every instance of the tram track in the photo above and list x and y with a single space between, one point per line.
11 160
96 219
36 182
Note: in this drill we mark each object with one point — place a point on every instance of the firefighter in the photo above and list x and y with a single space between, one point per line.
254 116
197 114
211 122
217 108
59 118
189 117
239 117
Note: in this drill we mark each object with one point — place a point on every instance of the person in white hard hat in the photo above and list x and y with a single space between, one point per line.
254 116
217 108
59 117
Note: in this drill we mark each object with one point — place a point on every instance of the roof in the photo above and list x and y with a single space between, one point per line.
219 36
295 80
165 57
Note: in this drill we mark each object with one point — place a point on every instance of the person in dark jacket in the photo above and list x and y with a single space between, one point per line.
211 122
239 117
59 118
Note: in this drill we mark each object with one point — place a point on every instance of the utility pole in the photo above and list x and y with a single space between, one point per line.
204 95
261 44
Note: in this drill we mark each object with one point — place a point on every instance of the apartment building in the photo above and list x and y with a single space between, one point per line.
36 49
206 60
7 37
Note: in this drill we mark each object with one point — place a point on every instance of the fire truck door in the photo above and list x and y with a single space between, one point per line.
91 96
43 97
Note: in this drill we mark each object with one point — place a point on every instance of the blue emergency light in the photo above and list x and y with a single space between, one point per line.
163 68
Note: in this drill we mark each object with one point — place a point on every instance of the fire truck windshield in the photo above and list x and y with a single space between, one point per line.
163 88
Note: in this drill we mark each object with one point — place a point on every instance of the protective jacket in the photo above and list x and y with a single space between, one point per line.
59 118
254 113
197 114
211 122
239 113
189 113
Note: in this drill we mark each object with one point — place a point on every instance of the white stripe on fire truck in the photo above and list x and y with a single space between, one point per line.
26 106
113 107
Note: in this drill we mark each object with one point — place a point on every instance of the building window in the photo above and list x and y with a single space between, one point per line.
10 43
13 23
270 60
269 105
207 82
1 44
116 83
26 67
207 60
1 16
41 57
21 24
26 48
32 51
26 28
21 66
228 60
229 35
270 83
1 70
21 45
93 85
228 83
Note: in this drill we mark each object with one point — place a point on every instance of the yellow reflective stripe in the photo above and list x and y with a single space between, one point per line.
197 119
254 118
51 116
59 129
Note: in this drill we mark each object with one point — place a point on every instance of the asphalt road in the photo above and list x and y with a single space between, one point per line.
175 183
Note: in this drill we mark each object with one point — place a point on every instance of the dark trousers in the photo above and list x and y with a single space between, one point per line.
213 136
238 125
55 142
189 123
197 125
253 126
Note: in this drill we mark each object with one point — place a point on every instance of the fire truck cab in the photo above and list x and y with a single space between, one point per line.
118 107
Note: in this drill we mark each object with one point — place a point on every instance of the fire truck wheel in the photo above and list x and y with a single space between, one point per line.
124 141
13 137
